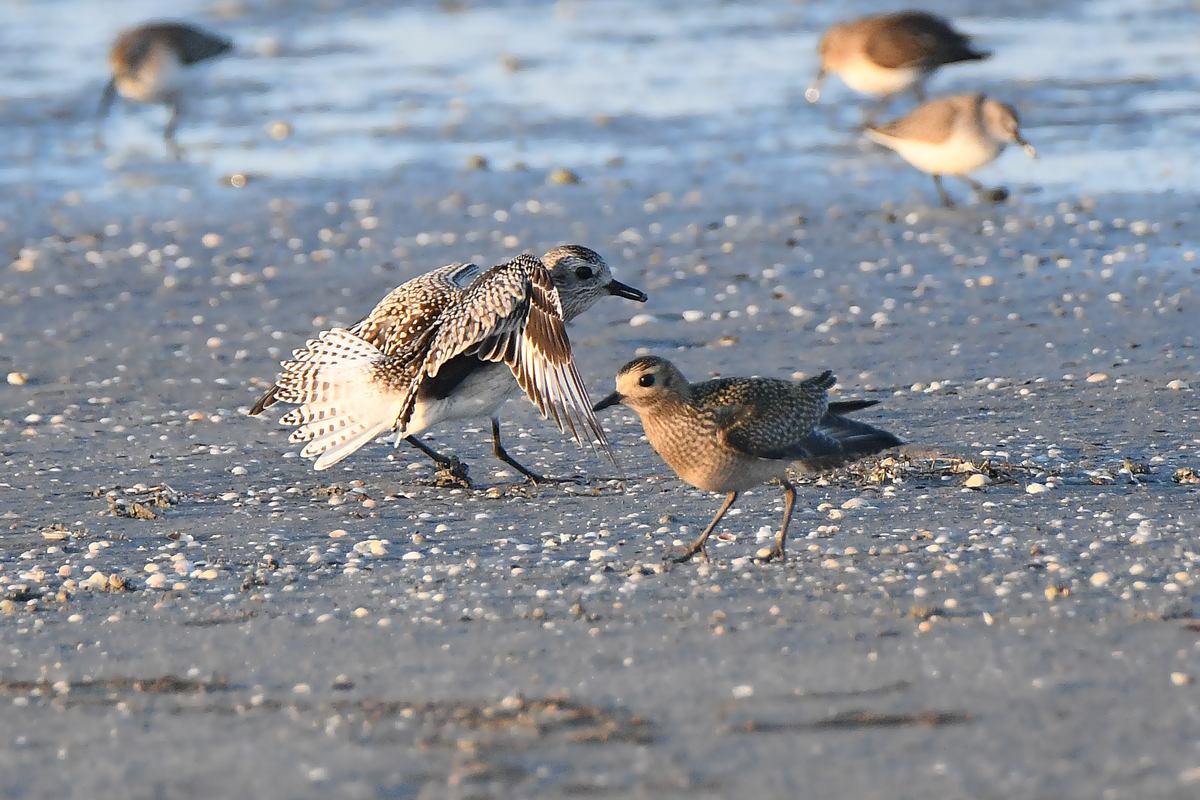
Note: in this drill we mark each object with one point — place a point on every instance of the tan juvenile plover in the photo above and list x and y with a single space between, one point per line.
885 55
452 344
732 434
954 136
150 65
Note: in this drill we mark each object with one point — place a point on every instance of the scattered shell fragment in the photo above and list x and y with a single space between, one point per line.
17 378
1037 488
562 177
1097 377
1185 475
1099 579
476 163
976 481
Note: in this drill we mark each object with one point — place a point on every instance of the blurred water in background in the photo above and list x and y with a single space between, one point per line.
1107 90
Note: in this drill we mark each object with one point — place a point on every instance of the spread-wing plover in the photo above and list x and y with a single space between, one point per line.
452 344
885 55
732 434
150 65
954 136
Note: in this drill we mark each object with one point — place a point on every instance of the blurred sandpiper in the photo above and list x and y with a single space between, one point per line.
150 64
885 55
732 434
954 136
452 344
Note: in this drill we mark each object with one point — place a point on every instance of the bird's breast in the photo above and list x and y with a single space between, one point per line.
468 389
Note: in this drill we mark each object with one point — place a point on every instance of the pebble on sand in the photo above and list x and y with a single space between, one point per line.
1037 488
562 177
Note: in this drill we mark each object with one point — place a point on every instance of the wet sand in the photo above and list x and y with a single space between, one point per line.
190 611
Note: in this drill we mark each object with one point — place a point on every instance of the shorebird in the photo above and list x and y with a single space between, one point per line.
452 344
885 55
954 136
149 65
732 434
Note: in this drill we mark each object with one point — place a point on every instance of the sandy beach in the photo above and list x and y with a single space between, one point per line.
1002 608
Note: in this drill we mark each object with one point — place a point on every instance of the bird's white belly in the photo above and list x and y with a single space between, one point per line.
965 151
480 396
866 77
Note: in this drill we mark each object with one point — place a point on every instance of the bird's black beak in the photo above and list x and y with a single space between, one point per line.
612 400
1027 147
628 292
813 93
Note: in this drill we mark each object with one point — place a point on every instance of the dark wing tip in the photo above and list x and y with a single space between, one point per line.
265 402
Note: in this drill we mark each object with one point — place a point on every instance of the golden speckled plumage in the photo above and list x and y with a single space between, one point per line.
732 434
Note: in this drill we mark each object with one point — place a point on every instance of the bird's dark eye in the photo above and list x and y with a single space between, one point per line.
583 273
646 380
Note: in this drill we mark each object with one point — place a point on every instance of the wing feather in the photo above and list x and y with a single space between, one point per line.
513 314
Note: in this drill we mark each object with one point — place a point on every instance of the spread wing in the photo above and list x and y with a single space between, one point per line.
401 323
513 314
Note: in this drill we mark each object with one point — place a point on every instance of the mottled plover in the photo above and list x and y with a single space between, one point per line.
954 136
732 434
885 55
149 65
452 344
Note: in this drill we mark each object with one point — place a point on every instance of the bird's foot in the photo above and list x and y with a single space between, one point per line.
682 555
452 472
776 554
997 195
540 479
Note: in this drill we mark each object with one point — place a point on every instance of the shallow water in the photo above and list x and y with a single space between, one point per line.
1105 89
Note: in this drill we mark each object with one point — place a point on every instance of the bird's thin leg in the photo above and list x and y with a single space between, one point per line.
986 195
789 500
106 101
698 545
172 124
946 201
919 91
450 465
439 459
502 454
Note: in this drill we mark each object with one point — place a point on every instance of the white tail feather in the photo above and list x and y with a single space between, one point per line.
343 402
